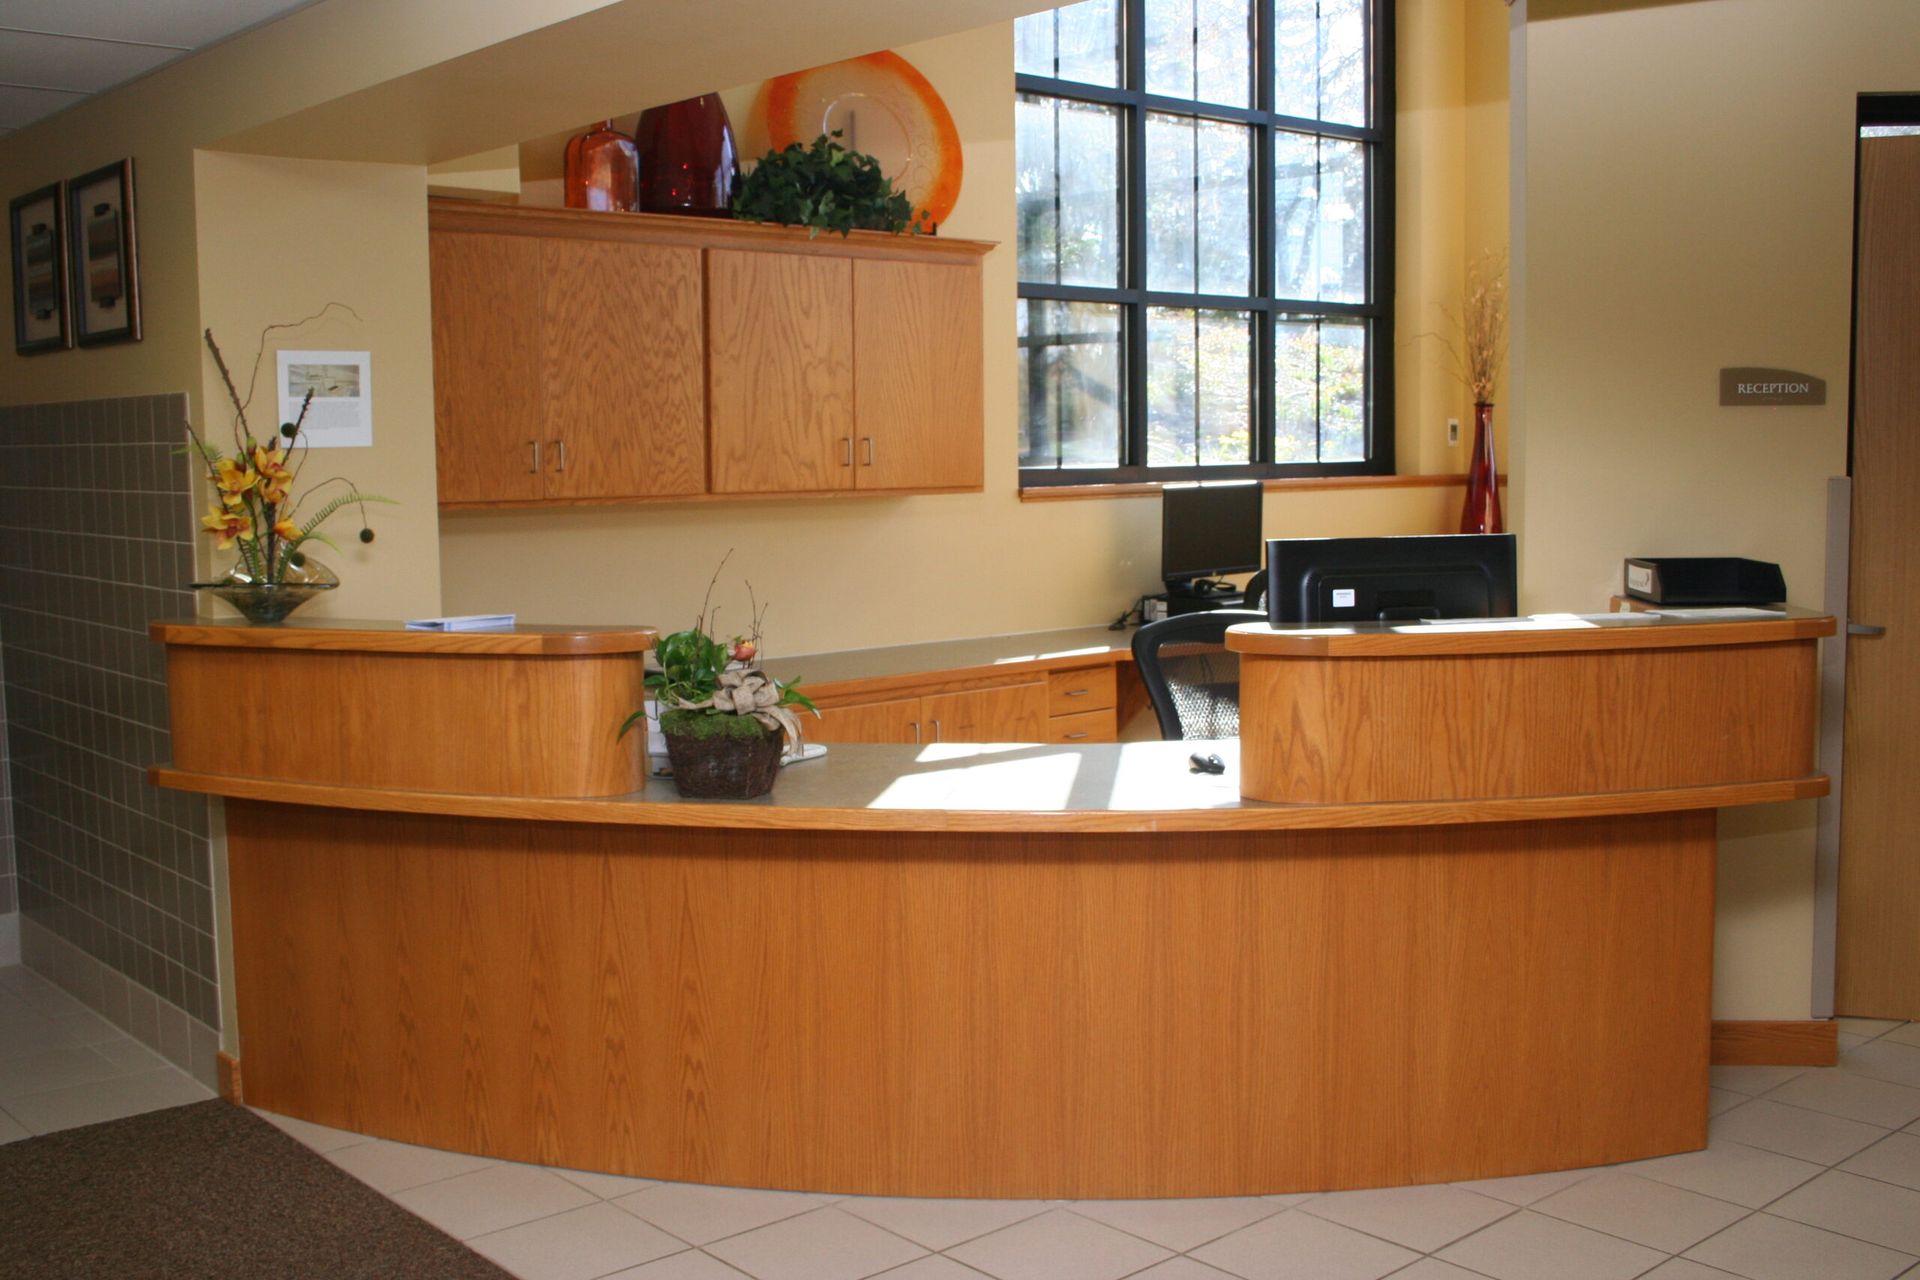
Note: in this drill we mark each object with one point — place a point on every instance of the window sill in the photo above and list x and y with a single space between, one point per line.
1073 492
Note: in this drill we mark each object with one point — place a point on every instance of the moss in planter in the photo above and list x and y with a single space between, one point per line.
706 724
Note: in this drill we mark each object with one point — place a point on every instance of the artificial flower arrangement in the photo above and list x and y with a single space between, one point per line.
727 722
255 510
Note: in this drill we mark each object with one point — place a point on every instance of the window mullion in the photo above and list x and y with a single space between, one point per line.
1134 165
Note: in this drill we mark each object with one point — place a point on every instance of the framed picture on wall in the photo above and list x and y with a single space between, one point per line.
105 256
41 319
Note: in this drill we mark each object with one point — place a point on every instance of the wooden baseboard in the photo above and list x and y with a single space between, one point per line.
229 1077
1813 1043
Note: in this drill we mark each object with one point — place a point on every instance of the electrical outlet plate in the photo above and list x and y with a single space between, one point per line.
1453 433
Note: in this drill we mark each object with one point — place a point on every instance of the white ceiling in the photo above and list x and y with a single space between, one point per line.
54 53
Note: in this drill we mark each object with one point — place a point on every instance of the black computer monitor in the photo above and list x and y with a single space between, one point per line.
1402 579
1209 529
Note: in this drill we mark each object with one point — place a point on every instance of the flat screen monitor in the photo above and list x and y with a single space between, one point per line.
1402 579
1209 529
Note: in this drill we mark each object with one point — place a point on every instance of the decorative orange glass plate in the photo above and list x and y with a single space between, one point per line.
881 105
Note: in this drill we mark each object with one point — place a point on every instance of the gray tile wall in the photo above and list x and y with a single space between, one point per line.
96 539
9 900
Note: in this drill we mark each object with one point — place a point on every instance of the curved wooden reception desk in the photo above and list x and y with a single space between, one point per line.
1030 971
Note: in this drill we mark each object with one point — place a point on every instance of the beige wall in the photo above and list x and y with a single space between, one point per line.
1686 186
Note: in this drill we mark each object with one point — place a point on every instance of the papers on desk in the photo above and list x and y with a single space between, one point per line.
1708 615
463 622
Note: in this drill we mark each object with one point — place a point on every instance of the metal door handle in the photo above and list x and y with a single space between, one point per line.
535 468
1862 629
1078 693
846 455
916 733
936 731
1075 737
868 441
560 460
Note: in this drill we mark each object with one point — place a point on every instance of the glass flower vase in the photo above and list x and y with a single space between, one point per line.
265 603
603 171
688 162
1481 513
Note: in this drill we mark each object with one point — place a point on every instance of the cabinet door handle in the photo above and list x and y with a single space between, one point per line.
560 455
936 731
535 446
1075 737
1862 629
916 733
1077 693
868 441
846 451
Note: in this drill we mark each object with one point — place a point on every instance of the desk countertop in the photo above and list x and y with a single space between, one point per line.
355 635
1035 651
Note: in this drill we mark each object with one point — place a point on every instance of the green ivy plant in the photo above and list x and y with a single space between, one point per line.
824 186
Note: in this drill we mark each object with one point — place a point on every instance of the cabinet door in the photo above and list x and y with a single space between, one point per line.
625 379
897 720
779 371
917 373
487 409
1012 713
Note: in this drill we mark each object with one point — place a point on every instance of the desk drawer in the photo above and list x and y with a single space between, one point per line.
1080 689
1087 726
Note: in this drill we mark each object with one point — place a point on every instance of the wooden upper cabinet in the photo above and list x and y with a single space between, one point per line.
779 371
593 357
917 419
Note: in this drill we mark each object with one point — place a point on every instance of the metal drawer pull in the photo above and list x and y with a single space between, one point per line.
535 468
1075 737
1078 693
846 455
560 461
1862 629
869 443
916 733
936 731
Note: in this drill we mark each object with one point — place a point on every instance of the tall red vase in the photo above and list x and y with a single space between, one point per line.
603 171
688 162
1481 514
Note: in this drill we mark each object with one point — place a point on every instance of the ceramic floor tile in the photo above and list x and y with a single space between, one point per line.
388 1167
941 1224
1719 1100
1656 1214
1730 1171
1434 1269
1868 1027
1905 1033
110 1099
1864 1208
1288 1200
1763 1247
1793 1131
1682 1269
129 1055
579 1244
1297 1246
935 1267
1852 1097
492 1199
1058 1245
608 1186
691 1265
823 1245
1885 1059
1849 1041
1179 1225
1527 1187
84 1026
53 1069
1421 1218
1753 1081
1895 1159
1532 1246
701 1214
314 1137
1182 1269
10 1129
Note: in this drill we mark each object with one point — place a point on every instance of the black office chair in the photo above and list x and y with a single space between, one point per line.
1191 675
1256 594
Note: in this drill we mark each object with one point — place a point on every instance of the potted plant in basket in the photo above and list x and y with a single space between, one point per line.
727 722
824 186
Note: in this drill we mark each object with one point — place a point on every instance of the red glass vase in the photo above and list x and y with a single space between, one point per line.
1481 514
603 171
688 163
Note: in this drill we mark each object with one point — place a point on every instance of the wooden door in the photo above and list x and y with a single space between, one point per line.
895 720
1011 713
1877 956
918 420
487 406
779 371
625 383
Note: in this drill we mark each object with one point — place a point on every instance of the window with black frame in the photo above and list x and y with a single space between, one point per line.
1204 191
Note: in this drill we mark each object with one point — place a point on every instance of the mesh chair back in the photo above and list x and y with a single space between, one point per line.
1191 676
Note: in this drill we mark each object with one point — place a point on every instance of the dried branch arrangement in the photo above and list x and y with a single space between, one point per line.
1483 326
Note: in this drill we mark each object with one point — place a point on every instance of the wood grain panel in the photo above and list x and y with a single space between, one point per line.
1530 635
917 375
779 372
983 1016
487 355
366 636
469 723
1081 689
1010 713
1087 726
890 720
1461 727
1797 1044
1878 935
625 383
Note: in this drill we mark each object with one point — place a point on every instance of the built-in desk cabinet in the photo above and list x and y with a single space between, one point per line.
585 357
1072 705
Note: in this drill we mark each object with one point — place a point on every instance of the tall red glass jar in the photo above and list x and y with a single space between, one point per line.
603 171
688 162
1481 514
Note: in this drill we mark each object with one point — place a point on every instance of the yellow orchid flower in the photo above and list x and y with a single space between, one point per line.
275 478
287 529
227 525
233 478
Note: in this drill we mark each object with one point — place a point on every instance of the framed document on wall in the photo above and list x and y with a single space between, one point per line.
41 320
105 255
